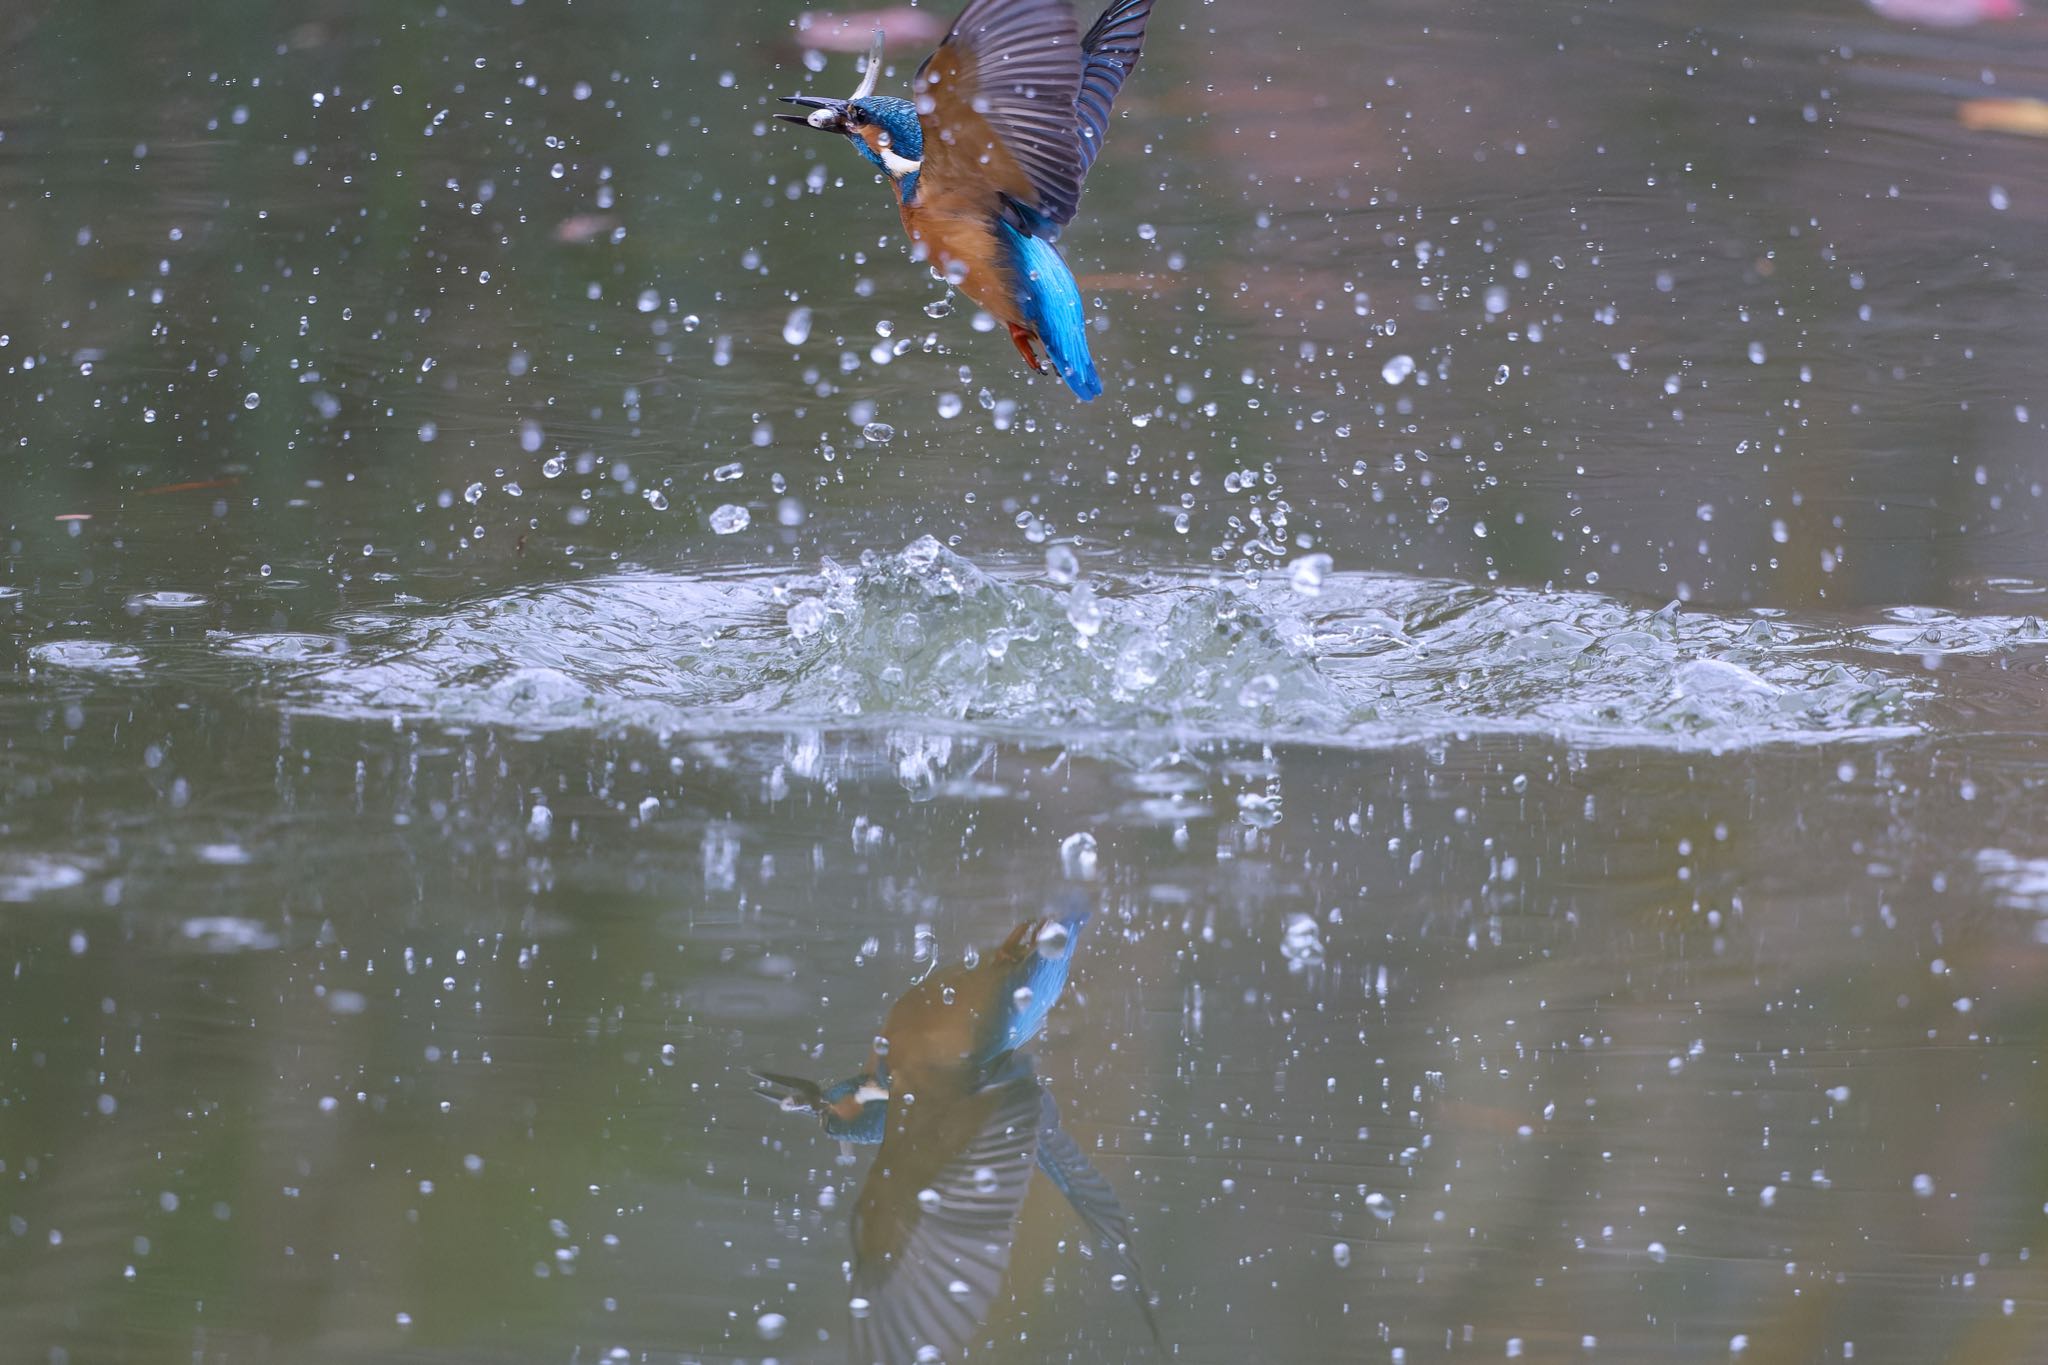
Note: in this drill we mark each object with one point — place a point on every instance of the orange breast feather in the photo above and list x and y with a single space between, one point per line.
959 238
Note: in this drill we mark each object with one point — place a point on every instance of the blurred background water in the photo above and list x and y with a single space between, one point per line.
518 603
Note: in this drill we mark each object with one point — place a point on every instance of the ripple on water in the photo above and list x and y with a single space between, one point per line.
86 656
227 934
166 601
30 876
741 1000
285 648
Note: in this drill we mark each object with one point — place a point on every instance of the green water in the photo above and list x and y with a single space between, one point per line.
1600 913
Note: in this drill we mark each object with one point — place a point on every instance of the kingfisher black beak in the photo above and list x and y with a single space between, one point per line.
827 116
792 1094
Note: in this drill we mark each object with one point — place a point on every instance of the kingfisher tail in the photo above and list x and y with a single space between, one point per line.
1051 304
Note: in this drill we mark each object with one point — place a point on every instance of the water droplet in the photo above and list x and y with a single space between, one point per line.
1084 613
729 517
1341 1254
1305 575
1398 368
1062 566
658 500
880 433
1302 944
473 494
554 467
796 328
250 400
1077 856
806 618
938 308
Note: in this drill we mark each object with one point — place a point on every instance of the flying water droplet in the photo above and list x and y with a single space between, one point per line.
1305 575
729 518
880 433
806 618
1077 856
1062 566
1084 613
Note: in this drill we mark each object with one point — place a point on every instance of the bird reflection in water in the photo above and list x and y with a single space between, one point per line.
962 1120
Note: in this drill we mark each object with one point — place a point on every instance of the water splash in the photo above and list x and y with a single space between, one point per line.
927 641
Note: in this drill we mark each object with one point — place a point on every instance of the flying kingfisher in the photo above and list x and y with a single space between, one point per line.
987 161
961 1119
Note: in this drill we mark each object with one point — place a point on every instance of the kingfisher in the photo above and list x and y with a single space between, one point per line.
962 1119
986 162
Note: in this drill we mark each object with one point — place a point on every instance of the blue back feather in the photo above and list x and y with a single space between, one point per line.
1045 976
1050 302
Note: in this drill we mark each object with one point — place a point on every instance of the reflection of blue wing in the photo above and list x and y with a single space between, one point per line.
1109 52
935 1218
1068 1167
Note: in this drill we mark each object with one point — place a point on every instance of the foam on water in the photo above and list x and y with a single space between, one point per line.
928 639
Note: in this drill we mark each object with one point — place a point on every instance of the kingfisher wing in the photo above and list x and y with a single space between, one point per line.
998 105
1109 53
1094 1200
1063 1161
935 1218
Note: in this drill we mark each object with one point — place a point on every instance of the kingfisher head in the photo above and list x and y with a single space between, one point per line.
882 128
853 1110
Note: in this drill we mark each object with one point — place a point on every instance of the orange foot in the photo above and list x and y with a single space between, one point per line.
1023 337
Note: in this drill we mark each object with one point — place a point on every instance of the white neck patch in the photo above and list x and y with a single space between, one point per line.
899 166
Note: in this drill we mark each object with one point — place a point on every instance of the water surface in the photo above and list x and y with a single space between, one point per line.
519 605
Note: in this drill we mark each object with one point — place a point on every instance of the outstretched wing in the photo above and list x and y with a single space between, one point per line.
933 1224
1068 1167
998 103
1109 52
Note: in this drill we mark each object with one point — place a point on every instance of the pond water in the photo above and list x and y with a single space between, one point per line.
520 607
